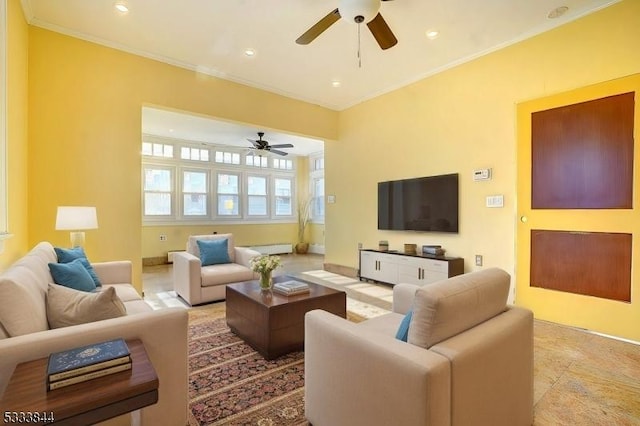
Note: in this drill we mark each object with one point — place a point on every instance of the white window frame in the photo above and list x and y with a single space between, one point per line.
213 168
4 179
181 193
216 201
267 195
172 190
314 176
291 179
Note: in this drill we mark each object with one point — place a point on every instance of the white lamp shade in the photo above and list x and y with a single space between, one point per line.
74 218
349 9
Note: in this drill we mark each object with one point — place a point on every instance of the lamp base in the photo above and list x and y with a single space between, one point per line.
77 239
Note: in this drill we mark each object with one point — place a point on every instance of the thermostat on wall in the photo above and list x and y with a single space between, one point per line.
482 174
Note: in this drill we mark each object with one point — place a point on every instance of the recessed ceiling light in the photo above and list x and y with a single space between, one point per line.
557 12
249 52
121 7
336 83
432 34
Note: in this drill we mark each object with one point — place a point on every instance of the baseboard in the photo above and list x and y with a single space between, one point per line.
316 248
273 248
347 271
153 261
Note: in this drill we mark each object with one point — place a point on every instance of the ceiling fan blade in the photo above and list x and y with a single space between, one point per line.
382 32
282 145
275 151
319 27
255 143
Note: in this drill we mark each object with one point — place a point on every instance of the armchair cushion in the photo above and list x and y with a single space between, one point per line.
214 252
66 307
73 275
449 307
69 255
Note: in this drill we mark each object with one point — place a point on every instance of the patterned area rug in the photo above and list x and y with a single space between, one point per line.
231 384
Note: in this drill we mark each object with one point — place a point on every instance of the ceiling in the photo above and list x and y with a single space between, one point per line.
211 36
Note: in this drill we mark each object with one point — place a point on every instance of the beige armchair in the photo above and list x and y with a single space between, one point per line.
198 284
468 359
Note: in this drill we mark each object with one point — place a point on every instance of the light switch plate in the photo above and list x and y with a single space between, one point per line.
331 199
495 201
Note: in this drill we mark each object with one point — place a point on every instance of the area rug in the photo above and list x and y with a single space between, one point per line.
231 384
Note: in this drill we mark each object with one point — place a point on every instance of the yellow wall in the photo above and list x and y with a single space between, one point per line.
85 132
460 120
17 109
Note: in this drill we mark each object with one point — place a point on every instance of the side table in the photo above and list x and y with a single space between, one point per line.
83 403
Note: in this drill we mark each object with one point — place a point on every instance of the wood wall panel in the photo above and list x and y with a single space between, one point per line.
590 263
582 155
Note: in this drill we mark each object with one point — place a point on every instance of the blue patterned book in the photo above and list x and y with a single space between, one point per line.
85 359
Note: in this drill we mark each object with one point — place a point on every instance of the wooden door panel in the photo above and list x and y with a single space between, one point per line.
582 155
590 263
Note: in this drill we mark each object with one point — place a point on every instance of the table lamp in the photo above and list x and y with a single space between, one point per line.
76 219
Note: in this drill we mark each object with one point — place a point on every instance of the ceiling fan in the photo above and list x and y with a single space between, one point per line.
357 11
263 145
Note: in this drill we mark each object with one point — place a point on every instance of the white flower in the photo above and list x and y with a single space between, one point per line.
265 263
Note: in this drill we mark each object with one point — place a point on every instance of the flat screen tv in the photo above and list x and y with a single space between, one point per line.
419 204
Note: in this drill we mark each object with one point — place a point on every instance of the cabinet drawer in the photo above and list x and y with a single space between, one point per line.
436 266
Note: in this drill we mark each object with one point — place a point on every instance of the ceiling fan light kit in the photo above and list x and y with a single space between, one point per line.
358 11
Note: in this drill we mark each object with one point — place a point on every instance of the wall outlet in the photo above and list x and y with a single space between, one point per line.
163 238
478 260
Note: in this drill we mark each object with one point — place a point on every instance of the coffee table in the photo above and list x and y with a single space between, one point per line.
273 324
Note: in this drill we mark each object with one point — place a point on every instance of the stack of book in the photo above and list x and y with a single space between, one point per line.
87 362
433 250
289 288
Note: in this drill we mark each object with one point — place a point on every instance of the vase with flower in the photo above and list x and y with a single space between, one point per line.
265 265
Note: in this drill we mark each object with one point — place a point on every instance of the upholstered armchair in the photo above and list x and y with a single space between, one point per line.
201 273
467 359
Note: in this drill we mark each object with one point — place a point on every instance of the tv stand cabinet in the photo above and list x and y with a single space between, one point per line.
397 267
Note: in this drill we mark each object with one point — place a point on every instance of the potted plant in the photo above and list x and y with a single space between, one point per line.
304 214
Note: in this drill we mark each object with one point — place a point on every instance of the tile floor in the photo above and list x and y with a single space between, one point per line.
580 378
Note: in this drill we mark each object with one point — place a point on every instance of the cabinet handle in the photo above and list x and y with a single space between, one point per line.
419 273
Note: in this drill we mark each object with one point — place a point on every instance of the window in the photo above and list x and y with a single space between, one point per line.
256 161
157 149
228 194
227 157
279 163
157 191
195 154
317 206
257 196
283 194
194 193
318 164
200 184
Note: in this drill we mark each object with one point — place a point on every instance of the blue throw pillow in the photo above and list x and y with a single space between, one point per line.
68 255
403 330
214 252
73 275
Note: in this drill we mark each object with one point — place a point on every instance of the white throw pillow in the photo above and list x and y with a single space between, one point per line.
66 306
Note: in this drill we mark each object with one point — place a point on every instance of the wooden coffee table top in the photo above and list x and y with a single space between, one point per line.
252 290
